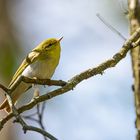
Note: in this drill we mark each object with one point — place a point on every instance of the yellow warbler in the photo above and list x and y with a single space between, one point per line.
40 63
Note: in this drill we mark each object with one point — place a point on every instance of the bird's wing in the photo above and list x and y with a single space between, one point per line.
31 57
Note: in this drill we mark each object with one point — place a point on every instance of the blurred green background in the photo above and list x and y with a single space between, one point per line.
101 108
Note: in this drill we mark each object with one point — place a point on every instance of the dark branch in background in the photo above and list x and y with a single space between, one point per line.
39 114
131 43
110 26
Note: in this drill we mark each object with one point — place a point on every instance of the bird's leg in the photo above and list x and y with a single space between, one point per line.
36 89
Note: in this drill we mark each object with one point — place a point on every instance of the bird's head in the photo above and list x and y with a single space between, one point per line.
51 44
49 47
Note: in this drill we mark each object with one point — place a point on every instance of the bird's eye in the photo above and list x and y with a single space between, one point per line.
49 45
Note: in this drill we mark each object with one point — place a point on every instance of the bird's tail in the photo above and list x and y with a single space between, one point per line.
5 105
15 96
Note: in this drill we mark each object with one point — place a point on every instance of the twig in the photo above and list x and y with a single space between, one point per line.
25 126
15 112
43 108
110 26
44 81
33 81
39 114
41 131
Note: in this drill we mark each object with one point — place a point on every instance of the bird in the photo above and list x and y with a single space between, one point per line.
40 63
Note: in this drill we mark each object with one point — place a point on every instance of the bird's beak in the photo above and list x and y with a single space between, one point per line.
60 39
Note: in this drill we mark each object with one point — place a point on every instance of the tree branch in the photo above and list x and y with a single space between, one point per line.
132 42
19 119
41 131
33 81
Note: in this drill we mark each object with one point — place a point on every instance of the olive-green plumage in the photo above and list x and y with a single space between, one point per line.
40 63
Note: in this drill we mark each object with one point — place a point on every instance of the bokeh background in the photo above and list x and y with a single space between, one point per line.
100 108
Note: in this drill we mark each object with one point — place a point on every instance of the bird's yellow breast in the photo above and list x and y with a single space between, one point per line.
43 68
